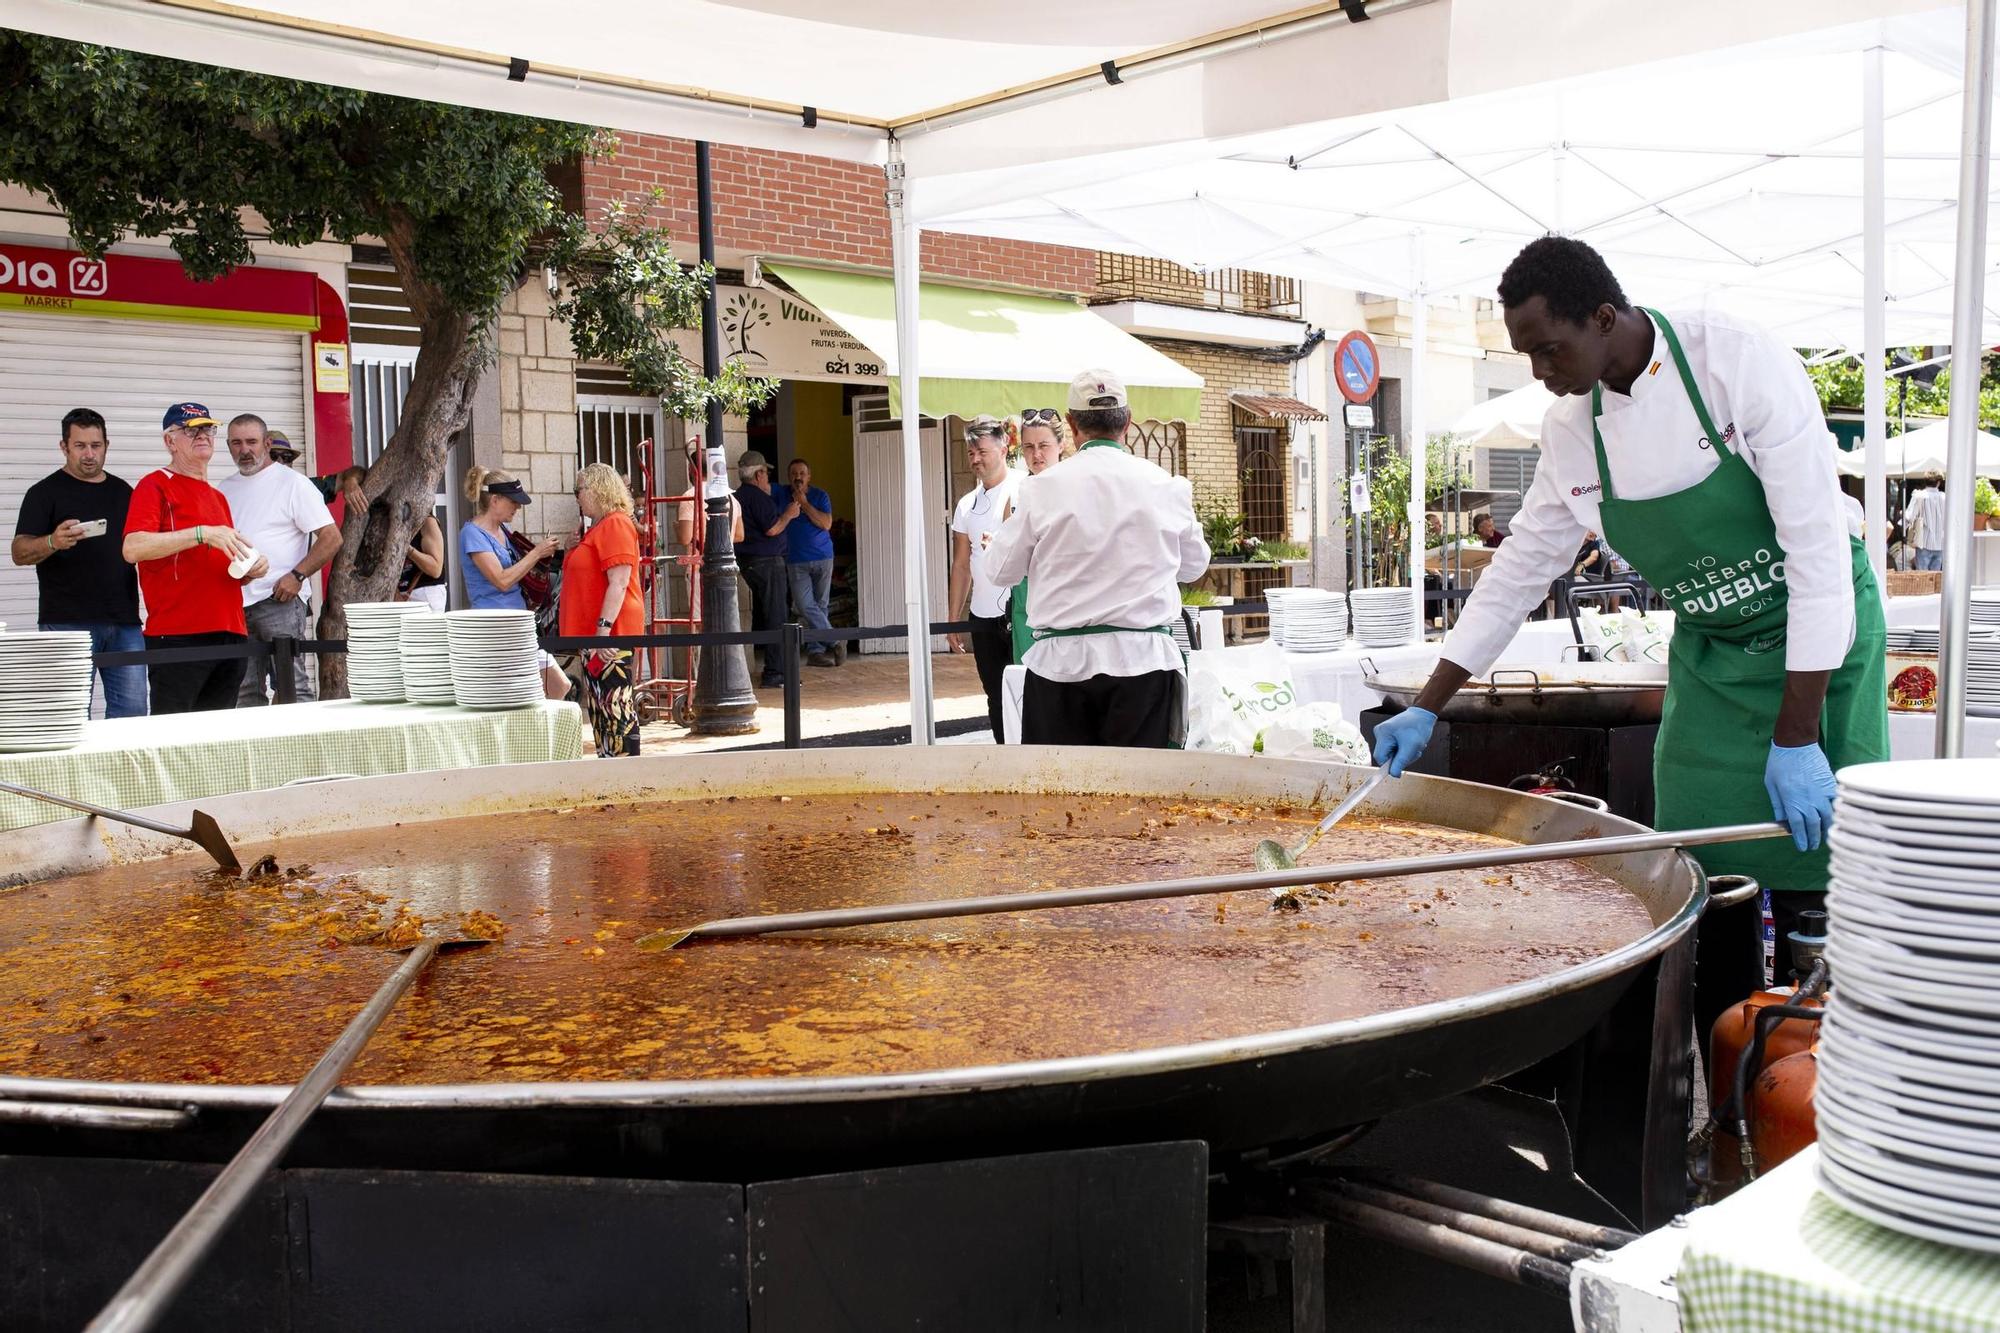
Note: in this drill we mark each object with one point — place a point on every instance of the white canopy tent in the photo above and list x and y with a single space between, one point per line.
1922 453
1037 91
1511 421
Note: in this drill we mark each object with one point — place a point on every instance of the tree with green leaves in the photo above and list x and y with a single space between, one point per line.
136 145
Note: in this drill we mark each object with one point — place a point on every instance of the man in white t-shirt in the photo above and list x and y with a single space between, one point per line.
279 512
974 596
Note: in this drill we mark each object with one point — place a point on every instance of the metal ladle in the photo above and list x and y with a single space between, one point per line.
1271 854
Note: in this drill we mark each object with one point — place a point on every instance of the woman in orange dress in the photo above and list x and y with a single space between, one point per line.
600 596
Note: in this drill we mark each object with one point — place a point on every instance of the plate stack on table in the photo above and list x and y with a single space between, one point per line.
1984 610
1315 621
1384 617
426 649
44 689
374 650
1908 1099
1275 599
495 661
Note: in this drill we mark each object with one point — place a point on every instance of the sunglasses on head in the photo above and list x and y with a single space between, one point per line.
1031 415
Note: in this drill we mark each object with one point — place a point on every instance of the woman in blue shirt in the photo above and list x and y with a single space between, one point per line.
485 547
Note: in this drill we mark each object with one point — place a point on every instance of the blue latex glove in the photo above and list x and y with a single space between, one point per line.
1800 784
1400 741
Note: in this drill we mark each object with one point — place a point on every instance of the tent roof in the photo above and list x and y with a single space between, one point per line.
1921 453
965 87
1511 421
1745 195
988 351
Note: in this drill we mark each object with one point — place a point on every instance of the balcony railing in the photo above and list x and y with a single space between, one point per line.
1131 278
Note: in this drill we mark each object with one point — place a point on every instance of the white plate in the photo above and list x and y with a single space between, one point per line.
1975 905
1913 1215
1863 864
1973 1189
1963 781
1936 1006
1846 1046
1949 1113
1915 831
1878 952
1910 1032
1920 1141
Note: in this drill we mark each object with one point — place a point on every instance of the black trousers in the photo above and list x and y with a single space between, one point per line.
769 603
1146 712
992 652
195 687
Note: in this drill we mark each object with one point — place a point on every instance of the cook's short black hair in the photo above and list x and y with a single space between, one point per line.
1570 276
88 418
1102 423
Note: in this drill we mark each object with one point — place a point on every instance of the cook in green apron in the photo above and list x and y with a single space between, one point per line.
1713 551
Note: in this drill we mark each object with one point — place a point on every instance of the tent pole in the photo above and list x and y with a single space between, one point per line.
1874 316
906 269
1419 439
1967 354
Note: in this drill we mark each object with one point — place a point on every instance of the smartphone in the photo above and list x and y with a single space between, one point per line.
95 527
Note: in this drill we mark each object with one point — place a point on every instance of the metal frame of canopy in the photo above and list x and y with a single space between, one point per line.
305 47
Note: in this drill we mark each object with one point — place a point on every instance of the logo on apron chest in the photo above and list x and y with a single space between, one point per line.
1714 587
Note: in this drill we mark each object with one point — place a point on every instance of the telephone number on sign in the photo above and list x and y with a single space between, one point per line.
864 368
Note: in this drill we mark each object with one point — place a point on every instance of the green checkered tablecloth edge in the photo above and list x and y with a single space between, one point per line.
1860 1278
136 762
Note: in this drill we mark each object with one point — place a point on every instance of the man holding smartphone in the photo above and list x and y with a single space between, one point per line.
71 529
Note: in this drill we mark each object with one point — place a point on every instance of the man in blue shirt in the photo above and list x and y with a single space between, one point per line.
809 561
761 553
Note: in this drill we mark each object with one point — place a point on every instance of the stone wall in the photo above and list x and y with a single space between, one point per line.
537 375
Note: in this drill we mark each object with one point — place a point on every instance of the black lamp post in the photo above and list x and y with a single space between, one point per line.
724 704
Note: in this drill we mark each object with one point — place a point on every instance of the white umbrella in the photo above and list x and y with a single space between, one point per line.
1921 453
1511 421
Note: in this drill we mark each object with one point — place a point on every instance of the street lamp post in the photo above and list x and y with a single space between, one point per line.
723 702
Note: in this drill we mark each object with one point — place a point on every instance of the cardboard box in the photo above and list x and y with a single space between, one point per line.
1913 582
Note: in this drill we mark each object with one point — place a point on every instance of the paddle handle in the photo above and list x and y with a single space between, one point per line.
123 817
147 1294
1198 885
1341 811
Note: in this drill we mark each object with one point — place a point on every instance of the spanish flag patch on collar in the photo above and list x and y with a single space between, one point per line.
1653 369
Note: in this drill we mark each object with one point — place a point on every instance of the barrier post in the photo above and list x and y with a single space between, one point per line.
792 644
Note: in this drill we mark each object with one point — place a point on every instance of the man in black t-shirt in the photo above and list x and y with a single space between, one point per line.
72 530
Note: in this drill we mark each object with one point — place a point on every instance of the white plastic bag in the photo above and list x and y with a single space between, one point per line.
1645 638
1315 731
1234 694
1604 633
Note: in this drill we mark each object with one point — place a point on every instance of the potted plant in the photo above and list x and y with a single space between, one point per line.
1221 527
1985 505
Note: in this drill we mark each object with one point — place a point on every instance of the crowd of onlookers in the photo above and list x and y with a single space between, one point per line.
216 562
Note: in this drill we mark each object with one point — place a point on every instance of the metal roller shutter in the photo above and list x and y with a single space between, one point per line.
129 370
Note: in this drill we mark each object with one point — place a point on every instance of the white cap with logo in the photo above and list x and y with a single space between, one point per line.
1095 389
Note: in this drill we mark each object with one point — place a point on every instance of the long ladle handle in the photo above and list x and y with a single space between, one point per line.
122 816
1256 879
149 1291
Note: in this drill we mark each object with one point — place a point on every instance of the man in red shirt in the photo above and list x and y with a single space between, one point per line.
178 532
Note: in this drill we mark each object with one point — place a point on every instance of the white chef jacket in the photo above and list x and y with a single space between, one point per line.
1103 539
1761 400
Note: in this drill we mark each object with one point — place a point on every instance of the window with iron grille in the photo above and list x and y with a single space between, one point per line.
1260 465
1162 443
611 428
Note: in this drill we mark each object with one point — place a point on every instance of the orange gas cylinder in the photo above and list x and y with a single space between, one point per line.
1781 1108
1731 1037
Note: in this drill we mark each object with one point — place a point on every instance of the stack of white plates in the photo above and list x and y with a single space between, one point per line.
1985 608
1384 617
1315 621
426 650
495 662
44 689
1274 598
1908 1099
374 650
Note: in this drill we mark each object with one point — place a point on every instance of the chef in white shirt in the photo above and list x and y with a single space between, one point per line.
1105 541
1923 520
1695 443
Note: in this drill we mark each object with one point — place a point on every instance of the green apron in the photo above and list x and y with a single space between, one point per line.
1712 550
1017 621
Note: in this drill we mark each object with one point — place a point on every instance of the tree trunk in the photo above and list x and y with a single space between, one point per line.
403 483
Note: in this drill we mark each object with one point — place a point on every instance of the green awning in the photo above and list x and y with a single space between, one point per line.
996 352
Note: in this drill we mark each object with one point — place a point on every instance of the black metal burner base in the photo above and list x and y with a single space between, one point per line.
1106 1238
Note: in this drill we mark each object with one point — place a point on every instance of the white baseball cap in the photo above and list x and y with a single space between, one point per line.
1096 388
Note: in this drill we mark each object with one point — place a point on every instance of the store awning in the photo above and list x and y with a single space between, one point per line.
1276 407
997 352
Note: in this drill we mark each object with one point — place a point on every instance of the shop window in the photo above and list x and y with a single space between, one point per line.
612 428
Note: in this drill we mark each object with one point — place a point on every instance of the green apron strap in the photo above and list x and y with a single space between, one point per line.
1687 380
1080 631
1597 440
